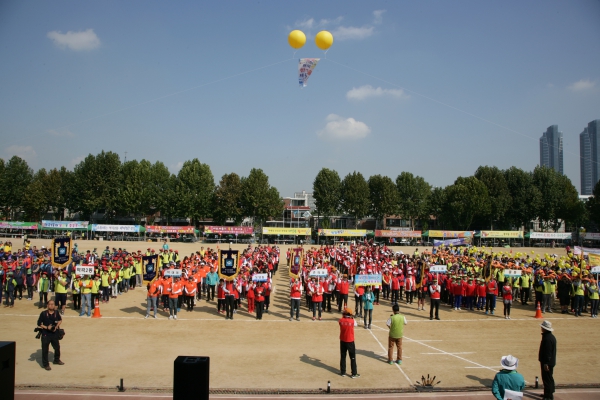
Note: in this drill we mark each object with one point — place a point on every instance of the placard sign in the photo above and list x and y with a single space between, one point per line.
595 270
318 273
440 269
512 272
367 280
84 270
172 273
260 277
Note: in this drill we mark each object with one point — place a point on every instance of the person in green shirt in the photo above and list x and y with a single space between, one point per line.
43 287
508 378
396 324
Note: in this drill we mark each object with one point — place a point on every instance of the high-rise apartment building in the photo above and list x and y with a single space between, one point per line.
591 174
551 149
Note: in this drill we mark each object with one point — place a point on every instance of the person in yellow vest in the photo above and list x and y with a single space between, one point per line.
86 286
96 285
43 287
76 292
119 277
592 289
396 324
137 266
114 288
126 278
60 289
577 291
547 291
105 283
525 285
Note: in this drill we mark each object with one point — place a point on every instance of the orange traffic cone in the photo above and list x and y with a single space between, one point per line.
538 312
97 310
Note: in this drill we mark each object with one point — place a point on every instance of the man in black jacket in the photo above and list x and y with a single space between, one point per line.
49 321
547 359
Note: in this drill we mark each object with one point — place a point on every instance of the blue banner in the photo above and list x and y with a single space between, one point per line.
451 242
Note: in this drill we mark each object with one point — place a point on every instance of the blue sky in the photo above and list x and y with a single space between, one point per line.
436 88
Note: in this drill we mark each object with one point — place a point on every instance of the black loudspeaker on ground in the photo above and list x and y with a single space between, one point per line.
191 378
7 370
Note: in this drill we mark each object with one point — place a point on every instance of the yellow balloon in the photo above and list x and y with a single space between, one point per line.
324 40
296 39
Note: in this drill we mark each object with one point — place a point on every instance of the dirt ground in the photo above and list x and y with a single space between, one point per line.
461 350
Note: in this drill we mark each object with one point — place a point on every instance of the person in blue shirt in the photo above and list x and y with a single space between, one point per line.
508 378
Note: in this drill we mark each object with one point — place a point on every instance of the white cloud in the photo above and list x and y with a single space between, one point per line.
61 133
352 32
582 85
378 16
176 167
77 160
366 91
340 32
83 40
340 128
27 153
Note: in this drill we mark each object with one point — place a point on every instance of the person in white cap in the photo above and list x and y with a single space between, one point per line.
547 358
508 378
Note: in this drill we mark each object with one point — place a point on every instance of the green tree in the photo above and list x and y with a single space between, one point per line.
228 200
593 205
526 198
414 194
96 184
16 177
259 200
436 205
135 195
327 192
499 195
355 196
548 183
383 196
161 194
570 209
195 188
35 198
466 199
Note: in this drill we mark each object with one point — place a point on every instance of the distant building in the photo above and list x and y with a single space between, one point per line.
593 132
551 149
585 162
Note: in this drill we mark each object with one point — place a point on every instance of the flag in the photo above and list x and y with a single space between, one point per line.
305 69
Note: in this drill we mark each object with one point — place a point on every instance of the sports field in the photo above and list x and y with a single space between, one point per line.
461 350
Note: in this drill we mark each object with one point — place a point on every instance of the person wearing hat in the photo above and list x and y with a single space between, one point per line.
577 292
547 358
347 324
10 285
61 292
508 378
43 287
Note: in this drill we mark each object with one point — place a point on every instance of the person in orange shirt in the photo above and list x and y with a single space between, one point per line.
154 290
176 291
190 290
166 289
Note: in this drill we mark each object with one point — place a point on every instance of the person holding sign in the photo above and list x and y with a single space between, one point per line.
85 285
317 299
368 301
435 291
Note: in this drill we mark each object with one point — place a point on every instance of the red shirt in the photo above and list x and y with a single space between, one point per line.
346 329
344 288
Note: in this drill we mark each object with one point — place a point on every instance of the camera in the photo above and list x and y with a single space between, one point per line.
39 332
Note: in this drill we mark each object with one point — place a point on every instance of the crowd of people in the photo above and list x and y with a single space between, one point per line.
474 280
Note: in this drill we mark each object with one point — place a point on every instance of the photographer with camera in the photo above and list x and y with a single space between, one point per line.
49 324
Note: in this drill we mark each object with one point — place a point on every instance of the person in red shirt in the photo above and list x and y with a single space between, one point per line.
220 297
395 288
507 298
491 292
259 296
250 295
343 291
317 299
347 324
470 294
295 296
480 290
435 291
190 288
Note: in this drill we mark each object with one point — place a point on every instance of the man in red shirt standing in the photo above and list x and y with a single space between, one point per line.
347 324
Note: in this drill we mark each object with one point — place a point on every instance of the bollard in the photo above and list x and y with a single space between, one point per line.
328 386
537 382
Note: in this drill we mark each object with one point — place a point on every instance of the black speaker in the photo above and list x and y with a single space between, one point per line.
191 378
7 370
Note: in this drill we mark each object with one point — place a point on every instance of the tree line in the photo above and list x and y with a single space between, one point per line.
490 199
138 189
